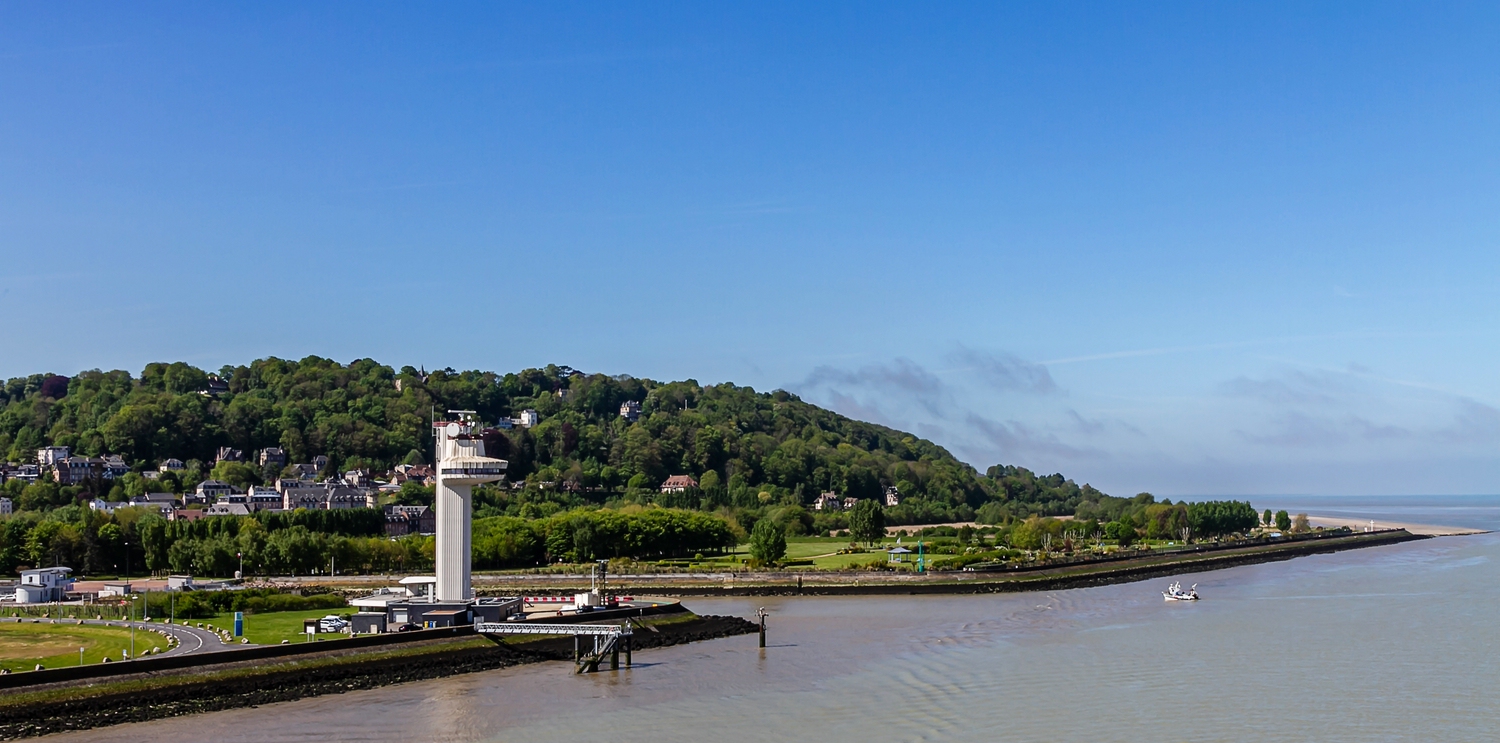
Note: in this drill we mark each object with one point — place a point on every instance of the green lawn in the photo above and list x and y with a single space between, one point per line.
24 645
273 627
800 549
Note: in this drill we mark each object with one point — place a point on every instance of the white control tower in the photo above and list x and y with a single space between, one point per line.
461 464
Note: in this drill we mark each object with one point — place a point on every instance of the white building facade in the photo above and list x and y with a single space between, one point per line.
43 585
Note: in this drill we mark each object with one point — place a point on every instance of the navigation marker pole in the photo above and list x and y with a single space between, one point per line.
761 613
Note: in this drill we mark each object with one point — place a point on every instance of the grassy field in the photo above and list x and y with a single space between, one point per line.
195 678
24 645
797 548
273 627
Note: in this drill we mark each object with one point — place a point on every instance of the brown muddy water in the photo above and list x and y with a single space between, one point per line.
1393 643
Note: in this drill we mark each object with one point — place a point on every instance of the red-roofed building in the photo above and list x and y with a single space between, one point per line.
678 483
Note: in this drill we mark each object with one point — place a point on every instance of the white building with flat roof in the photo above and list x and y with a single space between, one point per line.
43 585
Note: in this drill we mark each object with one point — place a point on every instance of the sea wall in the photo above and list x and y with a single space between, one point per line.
1031 578
247 683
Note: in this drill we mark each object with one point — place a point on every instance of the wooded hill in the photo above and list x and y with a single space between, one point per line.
748 449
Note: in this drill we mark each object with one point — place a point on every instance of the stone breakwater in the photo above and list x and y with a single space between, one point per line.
57 708
1033 578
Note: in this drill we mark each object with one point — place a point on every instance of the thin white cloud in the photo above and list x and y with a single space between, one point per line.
903 378
1014 442
1358 370
1293 388
1003 371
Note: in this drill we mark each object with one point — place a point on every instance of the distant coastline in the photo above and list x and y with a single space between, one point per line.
856 583
1426 530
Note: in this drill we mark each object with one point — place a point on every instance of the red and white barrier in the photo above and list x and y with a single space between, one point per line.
565 599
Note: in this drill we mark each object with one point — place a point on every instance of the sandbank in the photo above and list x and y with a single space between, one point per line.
1358 524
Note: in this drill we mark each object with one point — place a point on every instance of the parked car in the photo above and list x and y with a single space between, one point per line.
408 627
332 623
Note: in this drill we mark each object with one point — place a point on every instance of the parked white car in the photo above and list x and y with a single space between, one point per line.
331 623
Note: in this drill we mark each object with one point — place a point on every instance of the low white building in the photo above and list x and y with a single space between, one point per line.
43 585
529 418
104 506
115 588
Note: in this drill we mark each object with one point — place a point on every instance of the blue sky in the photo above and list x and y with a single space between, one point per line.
1185 248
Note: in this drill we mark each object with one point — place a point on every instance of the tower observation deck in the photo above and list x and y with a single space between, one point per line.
461 464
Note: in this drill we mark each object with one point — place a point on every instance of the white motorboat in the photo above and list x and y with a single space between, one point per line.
1174 592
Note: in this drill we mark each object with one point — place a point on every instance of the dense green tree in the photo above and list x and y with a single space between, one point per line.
413 493
1213 518
867 522
1283 521
1123 534
767 542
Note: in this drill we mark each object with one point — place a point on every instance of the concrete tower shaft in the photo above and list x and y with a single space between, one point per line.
461 464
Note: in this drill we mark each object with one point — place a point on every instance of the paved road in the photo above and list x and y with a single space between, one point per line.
190 639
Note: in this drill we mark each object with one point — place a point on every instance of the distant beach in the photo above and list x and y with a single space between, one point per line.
1357 524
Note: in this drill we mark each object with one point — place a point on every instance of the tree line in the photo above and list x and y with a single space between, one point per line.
750 451
137 540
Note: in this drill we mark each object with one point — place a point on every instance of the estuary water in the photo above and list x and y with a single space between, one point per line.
1390 643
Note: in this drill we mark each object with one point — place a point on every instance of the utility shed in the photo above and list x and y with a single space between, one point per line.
368 622
445 618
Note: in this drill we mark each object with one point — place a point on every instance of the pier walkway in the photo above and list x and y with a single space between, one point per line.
609 639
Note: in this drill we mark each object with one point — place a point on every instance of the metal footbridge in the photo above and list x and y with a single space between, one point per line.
608 639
